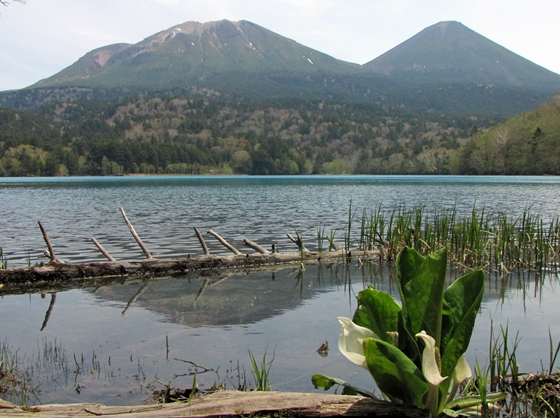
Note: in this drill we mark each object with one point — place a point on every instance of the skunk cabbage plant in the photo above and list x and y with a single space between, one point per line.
415 351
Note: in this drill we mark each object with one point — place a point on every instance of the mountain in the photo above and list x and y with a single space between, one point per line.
446 68
192 52
449 52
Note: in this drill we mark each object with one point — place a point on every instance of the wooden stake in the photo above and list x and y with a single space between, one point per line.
225 243
103 250
254 246
135 235
202 242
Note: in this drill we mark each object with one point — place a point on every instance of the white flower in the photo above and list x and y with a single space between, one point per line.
430 368
462 370
350 342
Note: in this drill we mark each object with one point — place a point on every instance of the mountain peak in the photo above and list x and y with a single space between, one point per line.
448 51
190 53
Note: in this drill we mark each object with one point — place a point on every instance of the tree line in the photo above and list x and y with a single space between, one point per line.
171 135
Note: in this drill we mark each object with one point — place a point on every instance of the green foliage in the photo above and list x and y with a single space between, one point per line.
415 352
172 135
527 144
176 134
479 240
261 371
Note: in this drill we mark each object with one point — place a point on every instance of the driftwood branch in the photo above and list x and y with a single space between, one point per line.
56 274
50 254
60 273
299 242
103 250
225 243
333 245
234 404
255 246
202 242
135 235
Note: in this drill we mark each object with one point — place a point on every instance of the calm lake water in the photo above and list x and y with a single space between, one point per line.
115 344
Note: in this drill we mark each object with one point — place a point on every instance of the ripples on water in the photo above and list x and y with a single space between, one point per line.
285 311
164 210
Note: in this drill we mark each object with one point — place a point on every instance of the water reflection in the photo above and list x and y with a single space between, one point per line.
121 341
234 299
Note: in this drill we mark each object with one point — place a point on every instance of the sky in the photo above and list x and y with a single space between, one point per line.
40 38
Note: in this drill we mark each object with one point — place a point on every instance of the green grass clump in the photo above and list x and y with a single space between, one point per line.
261 371
479 240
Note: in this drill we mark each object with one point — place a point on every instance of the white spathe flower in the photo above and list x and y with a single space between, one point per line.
350 342
462 370
430 368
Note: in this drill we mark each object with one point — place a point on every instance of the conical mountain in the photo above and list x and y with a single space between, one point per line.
449 52
193 51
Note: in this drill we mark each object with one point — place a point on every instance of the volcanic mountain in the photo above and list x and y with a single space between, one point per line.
191 52
446 67
449 52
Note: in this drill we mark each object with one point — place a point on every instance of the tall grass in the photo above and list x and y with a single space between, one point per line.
480 239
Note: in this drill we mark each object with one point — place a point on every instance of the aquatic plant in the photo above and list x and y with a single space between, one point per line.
528 395
416 352
479 240
3 260
262 371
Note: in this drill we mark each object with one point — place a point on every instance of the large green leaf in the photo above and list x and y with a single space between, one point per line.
422 286
327 382
462 301
395 374
408 263
378 312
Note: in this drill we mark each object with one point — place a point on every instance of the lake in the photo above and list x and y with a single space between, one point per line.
115 344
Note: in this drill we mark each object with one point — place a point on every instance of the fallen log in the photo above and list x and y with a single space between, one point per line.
232 404
56 271
157 267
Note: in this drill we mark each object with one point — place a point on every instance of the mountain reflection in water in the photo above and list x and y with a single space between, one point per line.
229 299
80 347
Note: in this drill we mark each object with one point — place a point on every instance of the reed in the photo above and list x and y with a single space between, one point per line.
321 238
479 240
529 395
3 260
15 386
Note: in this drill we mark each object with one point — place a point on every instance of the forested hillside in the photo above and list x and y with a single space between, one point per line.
526 144
167 135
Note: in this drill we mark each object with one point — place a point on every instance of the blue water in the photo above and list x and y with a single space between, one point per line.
164 210
214 321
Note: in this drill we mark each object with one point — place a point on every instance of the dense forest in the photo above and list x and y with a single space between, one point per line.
173 135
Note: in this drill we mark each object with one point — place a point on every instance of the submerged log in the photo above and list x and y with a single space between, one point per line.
56 271
157 267
233 404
